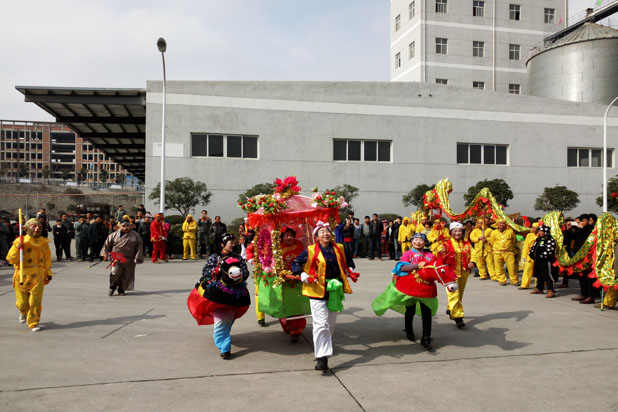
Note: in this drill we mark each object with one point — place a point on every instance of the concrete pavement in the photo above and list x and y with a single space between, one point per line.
144 352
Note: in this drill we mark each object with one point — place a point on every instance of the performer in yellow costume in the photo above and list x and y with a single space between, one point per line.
189 228
527 261
420 228
503 244
457 253
36 273
482 254
438 234
406 230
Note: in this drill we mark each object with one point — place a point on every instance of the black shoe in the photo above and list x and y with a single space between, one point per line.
476 275
111 292
121 292
426 342
460 323
262 322
226 355
448 312
411 336
322 364
294 338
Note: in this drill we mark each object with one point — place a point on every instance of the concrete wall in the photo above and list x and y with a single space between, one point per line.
297 121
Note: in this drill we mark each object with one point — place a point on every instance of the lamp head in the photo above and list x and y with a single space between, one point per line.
161 44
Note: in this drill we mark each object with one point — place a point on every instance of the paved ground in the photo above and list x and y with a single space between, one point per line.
143 352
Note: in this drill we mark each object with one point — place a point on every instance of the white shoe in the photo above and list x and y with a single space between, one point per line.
22 318
35 329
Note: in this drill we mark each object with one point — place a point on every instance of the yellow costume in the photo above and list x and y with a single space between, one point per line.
406 230
438 232
188 239
482 254
528 262
36 270
460 253
503 245
611 296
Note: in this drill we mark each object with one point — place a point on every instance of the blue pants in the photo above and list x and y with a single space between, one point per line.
224 319
355 247
374 247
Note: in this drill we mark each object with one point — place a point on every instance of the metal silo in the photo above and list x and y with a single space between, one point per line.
581 66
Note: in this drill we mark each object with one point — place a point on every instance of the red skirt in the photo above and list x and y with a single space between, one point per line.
203 309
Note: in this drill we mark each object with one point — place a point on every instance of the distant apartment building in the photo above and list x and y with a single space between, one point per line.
36 150
468 43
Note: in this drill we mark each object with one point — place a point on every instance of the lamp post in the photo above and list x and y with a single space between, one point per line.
162 46
605 155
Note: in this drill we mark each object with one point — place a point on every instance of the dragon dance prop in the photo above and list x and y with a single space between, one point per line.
596 254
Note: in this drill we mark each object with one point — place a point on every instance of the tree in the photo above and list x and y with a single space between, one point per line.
415 196
71 207
103 174
82 175
498 187
74 191
349 192
22 170
4 168
612 195
557 198
46 172
182 194
120 178
259 189
65 175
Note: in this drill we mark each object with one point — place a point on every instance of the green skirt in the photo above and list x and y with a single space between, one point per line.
393 299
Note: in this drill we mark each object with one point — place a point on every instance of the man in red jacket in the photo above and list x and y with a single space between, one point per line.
158 239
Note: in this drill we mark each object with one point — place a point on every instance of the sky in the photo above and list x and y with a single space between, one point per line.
112 43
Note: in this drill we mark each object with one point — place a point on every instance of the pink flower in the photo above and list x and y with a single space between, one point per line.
314 204
344 204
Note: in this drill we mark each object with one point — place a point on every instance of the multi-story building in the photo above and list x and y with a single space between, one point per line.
469 43
37 150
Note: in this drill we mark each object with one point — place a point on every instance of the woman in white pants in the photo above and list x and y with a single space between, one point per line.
323 269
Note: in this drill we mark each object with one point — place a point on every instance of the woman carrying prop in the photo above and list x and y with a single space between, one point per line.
456 252
542 253
125 249
221 295
413 289
323 269
32 274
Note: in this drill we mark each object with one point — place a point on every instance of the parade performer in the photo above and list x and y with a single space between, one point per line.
290 249
405 233
157 238
438 233
189 228
420 227
542 253
323 268
481 255
125 248
221 295
527 261
413 290
36 272
503 244
456 252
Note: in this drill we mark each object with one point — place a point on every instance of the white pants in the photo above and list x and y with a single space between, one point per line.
323 328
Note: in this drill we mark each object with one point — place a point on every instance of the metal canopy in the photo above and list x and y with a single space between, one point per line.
112 120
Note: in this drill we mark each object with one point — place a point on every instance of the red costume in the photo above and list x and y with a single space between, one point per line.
156 236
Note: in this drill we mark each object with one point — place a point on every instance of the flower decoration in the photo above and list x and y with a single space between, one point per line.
267 204
287 187
265 250
328 199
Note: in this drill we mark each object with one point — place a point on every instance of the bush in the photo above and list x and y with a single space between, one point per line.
388 216
175 219
174 239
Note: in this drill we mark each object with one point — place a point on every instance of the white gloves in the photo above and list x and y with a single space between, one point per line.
452 286
304 277
163 238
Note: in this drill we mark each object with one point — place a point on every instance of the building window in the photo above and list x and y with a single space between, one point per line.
478 85
217 145
411 10
362 150
411 50
441 6
441 81
398 22
588 157
487 154
478 48
514 88
514 51
441 45
514 11
549 15
398 60
478 8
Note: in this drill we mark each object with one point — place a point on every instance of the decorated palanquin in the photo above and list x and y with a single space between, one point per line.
270 215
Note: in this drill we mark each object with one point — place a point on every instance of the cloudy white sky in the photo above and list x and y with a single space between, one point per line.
112 43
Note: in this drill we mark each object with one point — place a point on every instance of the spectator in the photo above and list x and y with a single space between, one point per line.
389 240
42 214
60 240
119 213
348 238
96 236
364 239
4 241
375 232
580 235
45 228
142 209
204 226
357 235
81 239
189 228
219 229
71 231
144 231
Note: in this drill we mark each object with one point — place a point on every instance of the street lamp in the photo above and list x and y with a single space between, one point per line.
605 155
162 46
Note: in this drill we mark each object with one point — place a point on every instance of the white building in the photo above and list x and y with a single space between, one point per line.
470 43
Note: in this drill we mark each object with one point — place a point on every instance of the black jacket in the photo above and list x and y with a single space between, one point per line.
543 249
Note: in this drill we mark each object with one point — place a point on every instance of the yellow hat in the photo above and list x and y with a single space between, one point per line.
535 224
